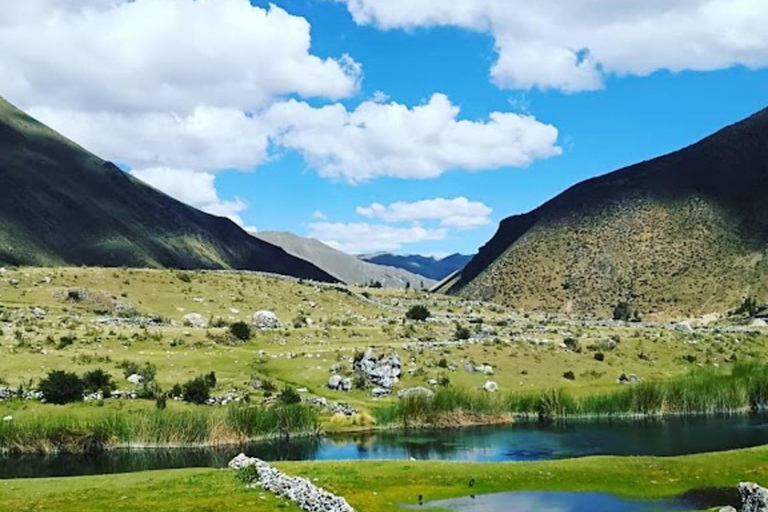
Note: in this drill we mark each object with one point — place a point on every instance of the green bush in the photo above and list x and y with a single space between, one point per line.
289 396
622 312
196 391
462 333
241 331
60 387
99 381
419 313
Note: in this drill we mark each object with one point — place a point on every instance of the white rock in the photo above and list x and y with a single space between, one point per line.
195 320
7 418
134 379
758 322
491 387
684 327
335 382
265 320
39 313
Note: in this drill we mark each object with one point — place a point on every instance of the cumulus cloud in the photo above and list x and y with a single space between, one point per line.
393 140
197 189
451 213
357 238
572 45
162 55
207 139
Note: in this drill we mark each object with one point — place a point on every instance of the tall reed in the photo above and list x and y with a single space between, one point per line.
48 433
700 392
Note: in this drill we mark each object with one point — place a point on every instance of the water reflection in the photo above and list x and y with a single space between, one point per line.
522 442
552 502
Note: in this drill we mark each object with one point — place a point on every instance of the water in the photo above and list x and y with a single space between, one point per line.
554 502
522 442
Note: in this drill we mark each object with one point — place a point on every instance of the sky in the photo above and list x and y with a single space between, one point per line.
407 126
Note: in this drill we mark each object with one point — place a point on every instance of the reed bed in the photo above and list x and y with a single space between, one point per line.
700 392
52 433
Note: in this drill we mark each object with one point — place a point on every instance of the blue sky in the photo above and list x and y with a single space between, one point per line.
621 107
633 119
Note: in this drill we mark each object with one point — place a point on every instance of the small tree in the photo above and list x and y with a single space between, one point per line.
241 331
419 313
196 391
60 387
99 381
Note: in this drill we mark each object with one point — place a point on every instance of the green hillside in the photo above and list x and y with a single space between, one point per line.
684 234
61 205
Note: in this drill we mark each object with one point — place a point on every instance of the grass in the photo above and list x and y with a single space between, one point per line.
700 392
97 429
385 486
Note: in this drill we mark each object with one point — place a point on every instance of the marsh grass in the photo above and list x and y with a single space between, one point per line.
700 392
51 433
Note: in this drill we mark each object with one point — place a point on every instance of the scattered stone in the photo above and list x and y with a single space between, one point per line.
758 322
417 391
469 368
432 382
300 491
346 384
485 368
753 497
195 320
336 368
331 407
134 379
39 313
491 387
684 327
265 320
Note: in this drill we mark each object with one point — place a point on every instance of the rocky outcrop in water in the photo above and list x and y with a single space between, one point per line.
300 491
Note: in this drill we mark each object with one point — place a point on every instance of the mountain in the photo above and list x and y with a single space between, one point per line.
683 234
341 265
61 205
430 267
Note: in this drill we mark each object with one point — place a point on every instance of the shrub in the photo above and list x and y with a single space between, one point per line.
442 363
419 313
241 331
268 385
289 396
161 402
210 380
196 391
462 333
599 356
569 375
99 381
622 311
60 387
572 344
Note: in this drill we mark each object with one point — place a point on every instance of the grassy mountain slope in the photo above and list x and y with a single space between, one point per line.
343 266
61 205
430 267
683 234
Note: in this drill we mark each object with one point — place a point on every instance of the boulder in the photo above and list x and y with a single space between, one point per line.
629 379
684 327
335 382
485 368
134 379
753 497
491 387
265 320
346 384
383 372
469 368
39 313
195 320
417 391
758 322
380 392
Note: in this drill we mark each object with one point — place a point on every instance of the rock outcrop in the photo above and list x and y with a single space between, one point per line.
265 320
753 497
383 372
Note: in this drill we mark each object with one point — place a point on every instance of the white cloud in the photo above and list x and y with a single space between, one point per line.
356 238
197 189
207 139
572 45
318 215
393 140
162 55
452 213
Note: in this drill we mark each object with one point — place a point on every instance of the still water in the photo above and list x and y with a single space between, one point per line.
521 442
